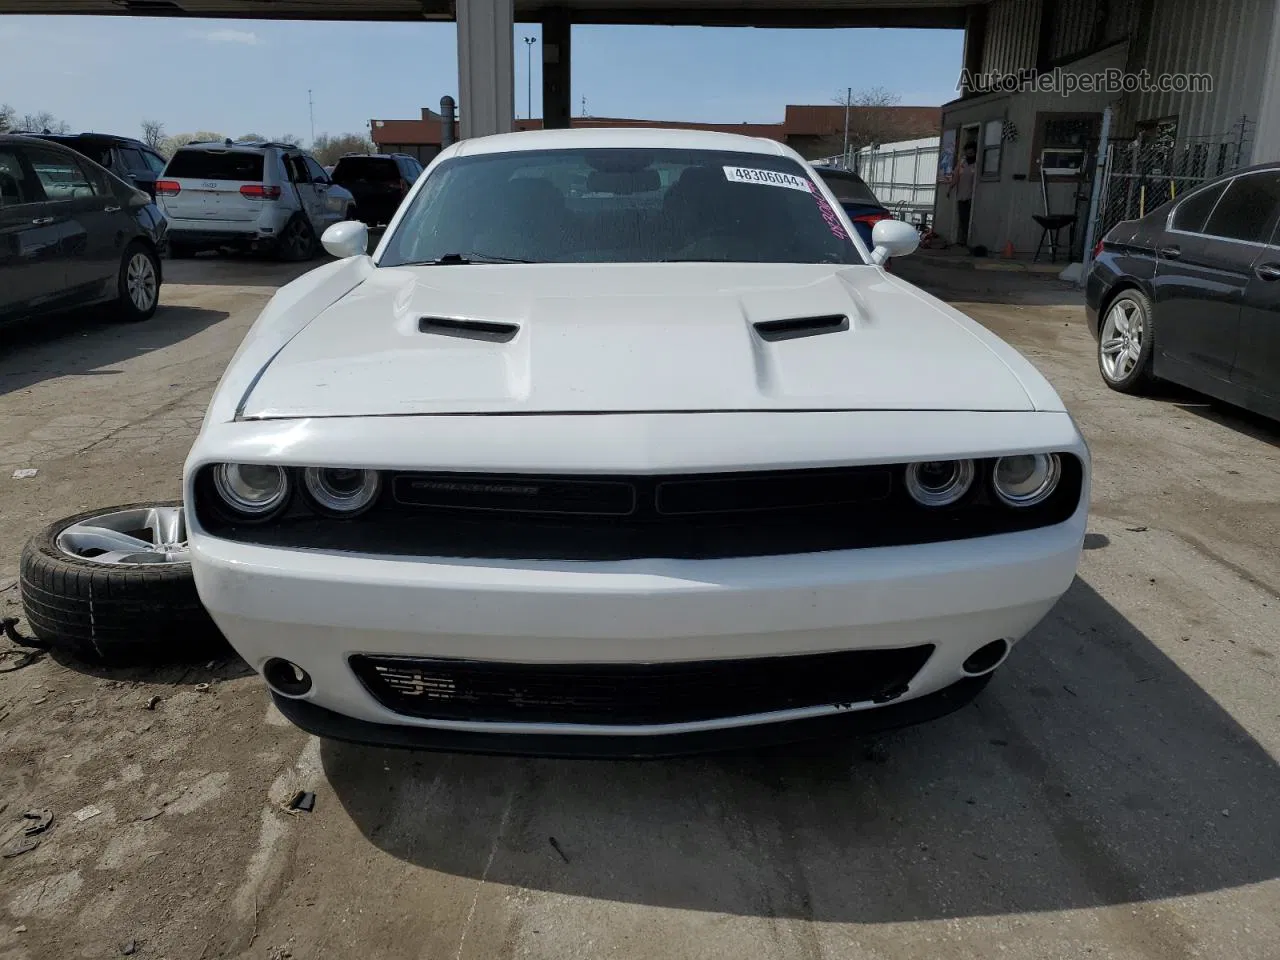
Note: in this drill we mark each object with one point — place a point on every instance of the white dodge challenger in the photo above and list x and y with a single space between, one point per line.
623 444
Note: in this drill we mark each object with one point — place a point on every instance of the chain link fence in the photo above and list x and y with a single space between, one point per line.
1156 166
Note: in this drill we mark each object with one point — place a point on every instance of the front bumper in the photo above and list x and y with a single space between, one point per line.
317 610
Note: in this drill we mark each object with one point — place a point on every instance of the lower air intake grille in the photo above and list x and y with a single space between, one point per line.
633 693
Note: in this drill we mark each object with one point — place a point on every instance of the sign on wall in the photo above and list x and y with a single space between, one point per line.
947 155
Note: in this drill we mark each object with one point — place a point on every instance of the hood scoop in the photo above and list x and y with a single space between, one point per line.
469 329
793 328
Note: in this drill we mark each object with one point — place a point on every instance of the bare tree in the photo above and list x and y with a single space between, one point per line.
329 149
182 139
250 137
7 116
871 115
153 134
41 122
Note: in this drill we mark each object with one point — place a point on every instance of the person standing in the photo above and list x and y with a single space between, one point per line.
962 181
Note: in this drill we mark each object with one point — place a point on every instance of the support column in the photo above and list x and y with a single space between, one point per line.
486 75
975 38
1266 135
556 104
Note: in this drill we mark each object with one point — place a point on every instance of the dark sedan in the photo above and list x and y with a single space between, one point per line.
1190 293
72 234
857 199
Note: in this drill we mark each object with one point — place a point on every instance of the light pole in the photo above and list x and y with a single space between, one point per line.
848 99
528 45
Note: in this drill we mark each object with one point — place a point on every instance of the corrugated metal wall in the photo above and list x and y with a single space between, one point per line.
1226 40
1076 25
1012 29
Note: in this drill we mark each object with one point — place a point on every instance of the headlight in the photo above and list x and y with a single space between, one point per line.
252 490
939 483
342 491
1026 480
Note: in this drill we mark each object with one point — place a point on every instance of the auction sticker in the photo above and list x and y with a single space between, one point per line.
768 177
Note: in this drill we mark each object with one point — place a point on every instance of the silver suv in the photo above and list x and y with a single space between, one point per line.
257 196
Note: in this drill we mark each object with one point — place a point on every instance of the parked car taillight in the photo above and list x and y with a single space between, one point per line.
871 219
256 191
168 188
1097 250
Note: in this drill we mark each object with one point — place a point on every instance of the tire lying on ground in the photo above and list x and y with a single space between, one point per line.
114 586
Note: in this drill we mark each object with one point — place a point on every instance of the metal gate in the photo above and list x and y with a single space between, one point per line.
1156 166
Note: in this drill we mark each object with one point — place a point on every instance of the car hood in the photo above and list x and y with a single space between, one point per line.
585 338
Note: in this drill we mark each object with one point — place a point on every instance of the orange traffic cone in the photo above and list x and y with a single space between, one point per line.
1008 249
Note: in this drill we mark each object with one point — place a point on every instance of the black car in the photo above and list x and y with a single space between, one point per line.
130 160
857 199
73 234
1191 293
379 182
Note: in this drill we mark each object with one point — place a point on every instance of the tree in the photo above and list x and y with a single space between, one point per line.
153 134
872 118
328 150
40 122
250 137
7 116
182 139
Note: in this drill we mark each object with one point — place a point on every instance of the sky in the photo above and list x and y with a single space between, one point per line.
233 77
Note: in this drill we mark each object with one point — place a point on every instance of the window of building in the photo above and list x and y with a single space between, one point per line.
1068 139
992 139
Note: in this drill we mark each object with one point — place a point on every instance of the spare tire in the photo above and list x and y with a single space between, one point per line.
114 586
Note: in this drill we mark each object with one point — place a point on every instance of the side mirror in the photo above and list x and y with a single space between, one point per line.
892 238
347 239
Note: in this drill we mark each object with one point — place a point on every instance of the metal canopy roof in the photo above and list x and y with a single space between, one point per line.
746 13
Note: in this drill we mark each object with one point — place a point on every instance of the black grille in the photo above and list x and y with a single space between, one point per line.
634 693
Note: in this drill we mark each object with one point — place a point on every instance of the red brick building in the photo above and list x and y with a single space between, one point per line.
811 130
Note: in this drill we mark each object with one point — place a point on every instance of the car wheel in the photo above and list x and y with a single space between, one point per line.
115 586
1126 341
297 240
138 283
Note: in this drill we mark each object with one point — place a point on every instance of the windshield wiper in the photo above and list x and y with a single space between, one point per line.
455 259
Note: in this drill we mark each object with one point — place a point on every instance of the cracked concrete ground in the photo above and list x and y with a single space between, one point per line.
1113 794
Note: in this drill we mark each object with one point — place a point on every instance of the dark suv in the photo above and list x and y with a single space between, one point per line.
379 182
130 160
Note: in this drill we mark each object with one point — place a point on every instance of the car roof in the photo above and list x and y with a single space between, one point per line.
618 138
834 171
89 136
246 146
33 139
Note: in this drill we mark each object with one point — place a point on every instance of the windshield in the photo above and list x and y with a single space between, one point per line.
375 169
849 188
215 165
620 206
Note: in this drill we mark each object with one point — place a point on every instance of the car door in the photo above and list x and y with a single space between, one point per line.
1257 367
1202 272
32 273
91 214
331 208
311 198
136 169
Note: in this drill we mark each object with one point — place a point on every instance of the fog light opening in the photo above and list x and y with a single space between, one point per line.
286 678
986 658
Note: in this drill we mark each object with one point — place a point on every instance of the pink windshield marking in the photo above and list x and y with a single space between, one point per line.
829 215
